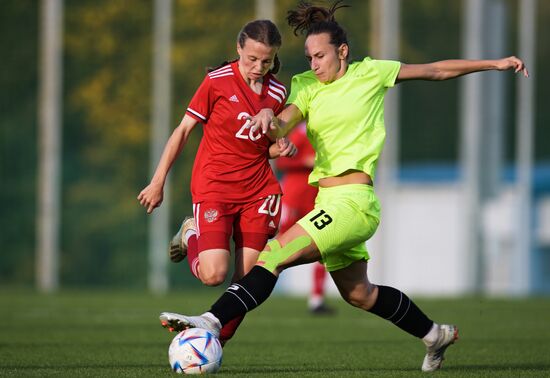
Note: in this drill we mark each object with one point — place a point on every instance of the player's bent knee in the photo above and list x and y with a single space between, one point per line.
213 281
214 278
357 299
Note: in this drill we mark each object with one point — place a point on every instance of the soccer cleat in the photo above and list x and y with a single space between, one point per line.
448 334
177 323
178 246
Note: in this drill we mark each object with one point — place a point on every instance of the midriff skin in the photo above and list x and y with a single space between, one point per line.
348 177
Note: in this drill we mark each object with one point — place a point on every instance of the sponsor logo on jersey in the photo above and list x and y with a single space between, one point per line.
211 215
233 98
233 287
272 224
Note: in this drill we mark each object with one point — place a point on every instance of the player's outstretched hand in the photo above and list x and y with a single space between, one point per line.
151 197
286 147
265 120
514 63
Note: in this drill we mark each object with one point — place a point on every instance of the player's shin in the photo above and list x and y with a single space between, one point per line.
254 288
244 295
395 306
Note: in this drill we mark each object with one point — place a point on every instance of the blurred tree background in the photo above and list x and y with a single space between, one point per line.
107 111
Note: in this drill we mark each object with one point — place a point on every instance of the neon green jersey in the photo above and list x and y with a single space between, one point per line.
345 118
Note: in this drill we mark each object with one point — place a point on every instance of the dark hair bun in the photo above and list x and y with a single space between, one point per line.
306 15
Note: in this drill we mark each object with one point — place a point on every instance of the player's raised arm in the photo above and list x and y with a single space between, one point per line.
449 69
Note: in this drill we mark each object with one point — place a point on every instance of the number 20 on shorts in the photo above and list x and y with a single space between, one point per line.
271 205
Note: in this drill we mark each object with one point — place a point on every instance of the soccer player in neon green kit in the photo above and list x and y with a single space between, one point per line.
344 107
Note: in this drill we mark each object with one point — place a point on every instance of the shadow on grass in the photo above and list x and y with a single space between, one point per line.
265 370
500 367
86 366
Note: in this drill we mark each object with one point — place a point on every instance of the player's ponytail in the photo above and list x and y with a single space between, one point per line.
276 65
311 19
224 63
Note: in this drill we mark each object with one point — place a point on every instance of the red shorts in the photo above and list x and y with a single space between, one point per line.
251 223
296 206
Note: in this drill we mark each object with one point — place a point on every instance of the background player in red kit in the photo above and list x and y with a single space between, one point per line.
233 187
297 201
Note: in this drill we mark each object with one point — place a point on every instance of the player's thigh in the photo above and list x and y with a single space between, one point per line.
214 224
343 219
354 285
291 248
245 259
247 248
260 216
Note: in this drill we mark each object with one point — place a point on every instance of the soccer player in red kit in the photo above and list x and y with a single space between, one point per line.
298 200
233 187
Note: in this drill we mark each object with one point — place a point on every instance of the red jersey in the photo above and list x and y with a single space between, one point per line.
232 161
297 192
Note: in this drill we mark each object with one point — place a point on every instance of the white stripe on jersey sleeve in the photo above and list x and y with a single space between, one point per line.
220 70
196 113
282 87
221 75
276 97
277 90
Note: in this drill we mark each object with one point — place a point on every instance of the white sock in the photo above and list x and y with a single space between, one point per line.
211 316
188 234
431 337
315 301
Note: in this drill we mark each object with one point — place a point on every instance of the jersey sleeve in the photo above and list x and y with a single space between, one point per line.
387 71
278 91
298 94
201 104
280 106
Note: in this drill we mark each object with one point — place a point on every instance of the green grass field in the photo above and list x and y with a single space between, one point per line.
116 334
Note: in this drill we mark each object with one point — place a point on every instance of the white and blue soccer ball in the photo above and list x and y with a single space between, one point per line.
195 351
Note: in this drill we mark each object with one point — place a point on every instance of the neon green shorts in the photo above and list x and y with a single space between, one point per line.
344 218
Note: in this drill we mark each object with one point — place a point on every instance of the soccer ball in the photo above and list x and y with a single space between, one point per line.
195 351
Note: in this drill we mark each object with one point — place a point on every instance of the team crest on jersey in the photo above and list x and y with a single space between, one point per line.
211 215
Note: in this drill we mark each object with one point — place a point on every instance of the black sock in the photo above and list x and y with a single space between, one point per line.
244 295
395 306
